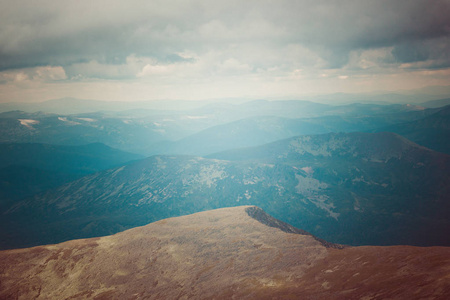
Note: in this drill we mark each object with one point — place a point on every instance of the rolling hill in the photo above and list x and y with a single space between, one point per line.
230 253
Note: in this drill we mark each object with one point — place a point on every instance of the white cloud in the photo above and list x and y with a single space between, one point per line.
157 70
176 48
37 74
49 73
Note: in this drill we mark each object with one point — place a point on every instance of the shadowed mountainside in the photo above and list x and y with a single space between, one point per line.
432 131
30 168
239 253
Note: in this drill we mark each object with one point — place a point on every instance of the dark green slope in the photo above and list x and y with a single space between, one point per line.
432 131
436 103
26 169
18 182
82 159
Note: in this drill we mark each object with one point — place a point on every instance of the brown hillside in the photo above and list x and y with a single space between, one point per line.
222 254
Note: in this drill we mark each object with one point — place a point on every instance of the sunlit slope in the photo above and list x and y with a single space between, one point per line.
230 253
377 189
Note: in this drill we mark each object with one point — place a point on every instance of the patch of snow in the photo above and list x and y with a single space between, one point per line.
87 119
28 122
312 188
160 163
117 171
208 175
308 170
321 202
159 130
363 180
308 185
196 117
64 119
303 145
359 179
253 180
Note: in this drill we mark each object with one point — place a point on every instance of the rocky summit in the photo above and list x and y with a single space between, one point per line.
228 253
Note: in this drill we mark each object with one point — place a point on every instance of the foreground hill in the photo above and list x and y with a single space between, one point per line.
358 189
229 253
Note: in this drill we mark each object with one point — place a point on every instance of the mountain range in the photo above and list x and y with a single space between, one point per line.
349 188
202 130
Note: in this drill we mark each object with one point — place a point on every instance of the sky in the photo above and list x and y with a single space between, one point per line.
143 50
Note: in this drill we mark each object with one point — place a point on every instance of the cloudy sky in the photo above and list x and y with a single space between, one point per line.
189 49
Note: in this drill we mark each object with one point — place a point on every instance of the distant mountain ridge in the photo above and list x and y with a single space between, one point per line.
259 130
201 130
436 103
69 105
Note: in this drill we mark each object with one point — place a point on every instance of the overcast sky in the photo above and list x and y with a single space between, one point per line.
143 50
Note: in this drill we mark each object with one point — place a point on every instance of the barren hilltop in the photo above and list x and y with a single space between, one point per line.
228 253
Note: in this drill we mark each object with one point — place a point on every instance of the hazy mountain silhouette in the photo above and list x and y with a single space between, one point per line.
432 131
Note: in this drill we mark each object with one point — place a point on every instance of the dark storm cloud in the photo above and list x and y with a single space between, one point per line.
64 33
412 28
